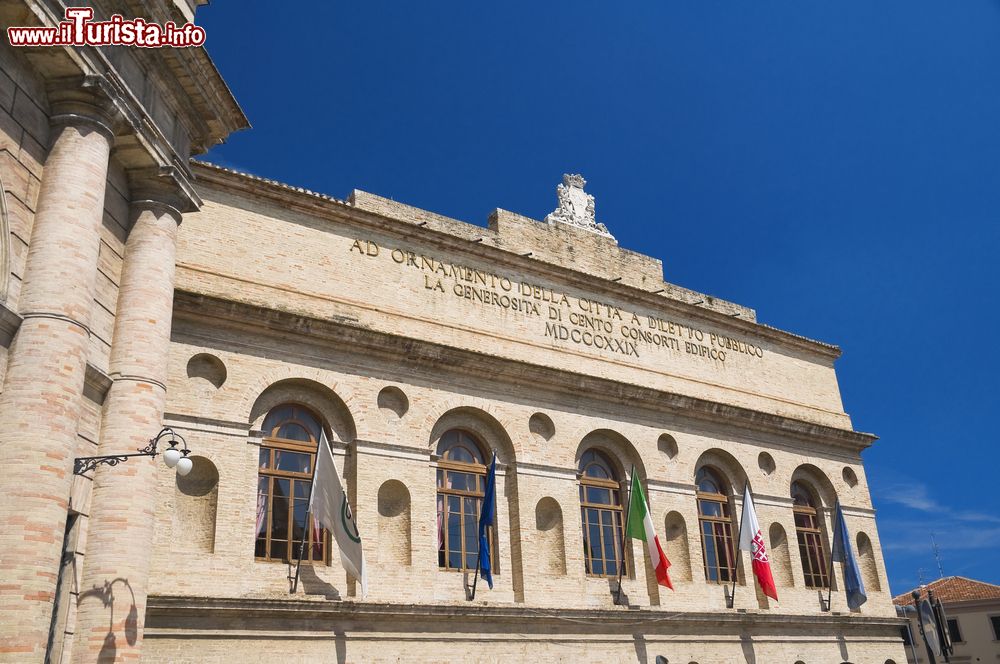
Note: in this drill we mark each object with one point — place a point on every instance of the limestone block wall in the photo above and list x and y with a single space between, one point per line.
336 262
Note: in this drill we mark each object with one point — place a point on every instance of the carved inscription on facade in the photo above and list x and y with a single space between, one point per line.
562 317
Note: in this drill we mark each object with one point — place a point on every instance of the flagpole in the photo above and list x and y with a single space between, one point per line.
739 539
829 575
475 579
479 549
628 513
306 525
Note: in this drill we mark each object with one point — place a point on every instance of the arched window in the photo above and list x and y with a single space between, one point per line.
284 478
716 523
807 529
461 480
601 512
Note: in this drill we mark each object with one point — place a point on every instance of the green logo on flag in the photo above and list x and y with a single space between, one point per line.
347 519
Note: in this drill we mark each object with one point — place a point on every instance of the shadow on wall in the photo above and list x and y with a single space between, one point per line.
639 642
313 585
105 593
746 643
196 503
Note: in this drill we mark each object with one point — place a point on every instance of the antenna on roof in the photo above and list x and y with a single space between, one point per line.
920 576
937 556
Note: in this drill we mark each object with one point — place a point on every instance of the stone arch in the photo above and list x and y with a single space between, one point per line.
4 244
551 540
309 393
781 559
487 428
869 568
207 367
726 464
196 503
816 481
617 447
676 544
394 534
282 373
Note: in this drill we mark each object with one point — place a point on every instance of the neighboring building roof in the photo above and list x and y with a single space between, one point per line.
955 589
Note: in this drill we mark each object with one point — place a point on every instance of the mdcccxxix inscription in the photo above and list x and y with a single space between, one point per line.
567 318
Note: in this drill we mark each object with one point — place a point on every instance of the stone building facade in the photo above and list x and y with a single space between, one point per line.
972 612
410 339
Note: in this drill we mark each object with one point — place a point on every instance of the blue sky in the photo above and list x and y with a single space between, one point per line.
836 166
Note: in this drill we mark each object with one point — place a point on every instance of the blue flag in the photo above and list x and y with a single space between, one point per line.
486 517
843 552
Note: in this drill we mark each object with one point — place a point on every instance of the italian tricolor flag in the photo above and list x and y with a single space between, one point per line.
640 526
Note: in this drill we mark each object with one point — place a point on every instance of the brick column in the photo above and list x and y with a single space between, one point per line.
43 387
110 618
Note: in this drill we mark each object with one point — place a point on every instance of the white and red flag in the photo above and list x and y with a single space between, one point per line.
640 526
752 540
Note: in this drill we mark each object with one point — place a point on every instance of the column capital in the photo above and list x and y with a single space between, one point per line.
165 186
83 101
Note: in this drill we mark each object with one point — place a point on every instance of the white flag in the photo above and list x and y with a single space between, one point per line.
328 504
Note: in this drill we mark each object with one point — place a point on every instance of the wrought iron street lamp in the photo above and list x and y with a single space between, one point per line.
172 456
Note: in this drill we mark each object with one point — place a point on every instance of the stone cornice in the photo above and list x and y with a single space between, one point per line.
185 81
422 354
96 384
462 237
10 321
166 613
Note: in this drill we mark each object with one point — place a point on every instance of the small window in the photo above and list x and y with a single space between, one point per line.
905 632
995 621
954 633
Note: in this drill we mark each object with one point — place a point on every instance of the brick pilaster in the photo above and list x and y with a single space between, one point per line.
116 566
43 386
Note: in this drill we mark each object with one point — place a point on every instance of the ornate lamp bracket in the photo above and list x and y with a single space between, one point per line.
84 465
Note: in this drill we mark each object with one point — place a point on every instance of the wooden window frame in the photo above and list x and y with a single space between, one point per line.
442 468
272 474
616 514
726 522
812 549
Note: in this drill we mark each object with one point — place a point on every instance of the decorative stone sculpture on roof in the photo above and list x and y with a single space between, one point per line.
576 207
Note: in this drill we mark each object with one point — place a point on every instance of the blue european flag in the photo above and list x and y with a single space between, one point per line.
486 517
843 552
